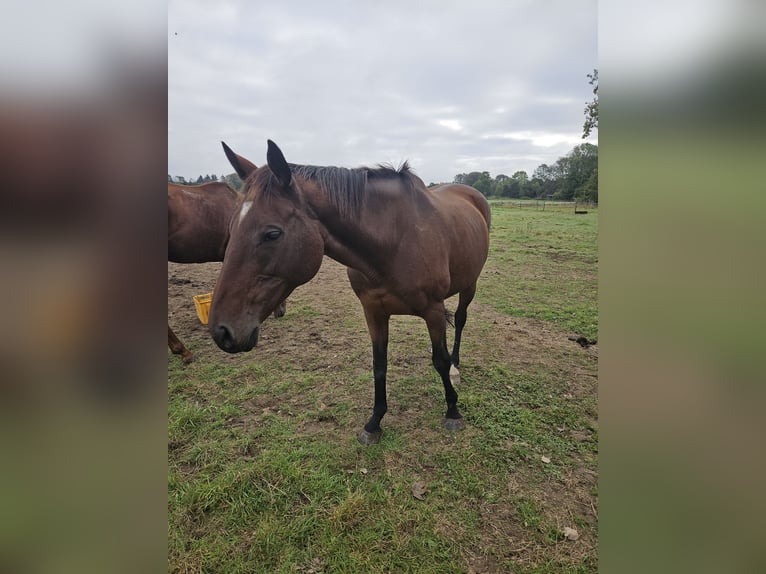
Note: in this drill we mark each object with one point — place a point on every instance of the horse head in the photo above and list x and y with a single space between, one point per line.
275 245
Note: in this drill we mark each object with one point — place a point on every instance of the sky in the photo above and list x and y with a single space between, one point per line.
450 86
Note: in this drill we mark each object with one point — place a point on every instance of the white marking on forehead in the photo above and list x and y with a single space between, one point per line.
245 208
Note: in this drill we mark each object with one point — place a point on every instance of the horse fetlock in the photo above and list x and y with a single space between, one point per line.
454 375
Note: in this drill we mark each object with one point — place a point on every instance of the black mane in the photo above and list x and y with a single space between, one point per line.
344 187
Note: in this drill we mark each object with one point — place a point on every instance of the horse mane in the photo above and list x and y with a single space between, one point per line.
345 187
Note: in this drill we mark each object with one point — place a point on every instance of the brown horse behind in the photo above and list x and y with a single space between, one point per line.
407 249
198 231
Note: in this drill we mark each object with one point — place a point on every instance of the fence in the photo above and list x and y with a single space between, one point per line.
545 204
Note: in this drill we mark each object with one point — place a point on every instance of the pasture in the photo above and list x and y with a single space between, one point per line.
266 475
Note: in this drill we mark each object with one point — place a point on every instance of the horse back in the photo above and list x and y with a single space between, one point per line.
455 194
198 221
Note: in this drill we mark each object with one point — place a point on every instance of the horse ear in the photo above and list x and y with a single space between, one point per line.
278 164
242 166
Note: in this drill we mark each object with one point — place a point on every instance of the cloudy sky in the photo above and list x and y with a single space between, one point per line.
451 86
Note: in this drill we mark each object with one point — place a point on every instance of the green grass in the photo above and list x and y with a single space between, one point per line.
542 264
265 474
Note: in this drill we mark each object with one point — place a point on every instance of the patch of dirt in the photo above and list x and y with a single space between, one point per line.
329 340
319 347
568 256
532 344
502 523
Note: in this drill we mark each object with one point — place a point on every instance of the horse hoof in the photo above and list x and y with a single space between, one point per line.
454 375
454 424
369 437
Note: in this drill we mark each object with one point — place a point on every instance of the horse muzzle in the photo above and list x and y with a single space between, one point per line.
225 338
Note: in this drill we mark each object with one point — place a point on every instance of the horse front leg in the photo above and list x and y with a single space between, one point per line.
178 348
377 324
440 357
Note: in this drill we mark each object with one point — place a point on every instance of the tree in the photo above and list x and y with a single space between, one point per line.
548 177
500 185
576 168
591 108
233 181
483 183
533 188
521 176
468 178
512 188
588 191
521 183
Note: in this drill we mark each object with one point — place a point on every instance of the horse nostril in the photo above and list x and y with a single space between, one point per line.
223 337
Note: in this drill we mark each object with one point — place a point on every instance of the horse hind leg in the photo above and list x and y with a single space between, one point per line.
442 362
461 315
178 348
454 374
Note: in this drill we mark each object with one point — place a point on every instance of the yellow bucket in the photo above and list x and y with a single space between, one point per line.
202 303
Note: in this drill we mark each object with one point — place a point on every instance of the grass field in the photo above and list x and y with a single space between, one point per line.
543 264
265 474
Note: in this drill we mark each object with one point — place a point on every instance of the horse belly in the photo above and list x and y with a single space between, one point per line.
197 247
388 299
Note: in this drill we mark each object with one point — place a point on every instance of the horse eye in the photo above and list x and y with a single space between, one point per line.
272 235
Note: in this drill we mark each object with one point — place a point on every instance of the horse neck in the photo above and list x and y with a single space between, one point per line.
359 240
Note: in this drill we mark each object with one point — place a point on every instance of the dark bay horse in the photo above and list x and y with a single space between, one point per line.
407 249
198 231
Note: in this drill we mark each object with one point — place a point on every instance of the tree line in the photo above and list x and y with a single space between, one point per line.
231 179
573 177
191 181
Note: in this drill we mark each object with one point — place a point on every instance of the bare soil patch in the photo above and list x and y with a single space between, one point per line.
331 337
